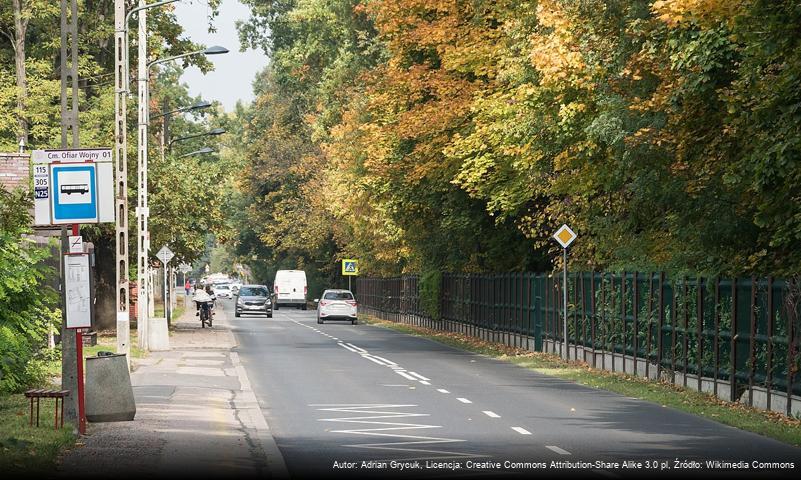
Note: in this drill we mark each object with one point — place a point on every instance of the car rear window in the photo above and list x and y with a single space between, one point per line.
223 287
252 292
338 296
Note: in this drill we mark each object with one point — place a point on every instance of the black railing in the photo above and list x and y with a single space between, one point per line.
724 336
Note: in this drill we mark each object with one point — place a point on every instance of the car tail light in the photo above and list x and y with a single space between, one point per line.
276 289
323 303
305 290
352 303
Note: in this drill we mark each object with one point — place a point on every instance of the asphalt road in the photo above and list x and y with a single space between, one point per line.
337 395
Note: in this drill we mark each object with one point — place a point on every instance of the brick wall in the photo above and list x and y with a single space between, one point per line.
15 170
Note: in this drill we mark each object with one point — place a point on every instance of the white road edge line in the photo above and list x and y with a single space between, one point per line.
521 430
464 400
558 450
491 414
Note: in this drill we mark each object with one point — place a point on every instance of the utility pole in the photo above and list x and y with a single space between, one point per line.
143 239
70 370
121 171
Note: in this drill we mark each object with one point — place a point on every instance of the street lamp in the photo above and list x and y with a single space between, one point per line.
197 106
143 214
165 127
214 132
202 151
215 50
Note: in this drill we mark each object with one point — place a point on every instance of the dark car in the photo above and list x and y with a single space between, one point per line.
254 299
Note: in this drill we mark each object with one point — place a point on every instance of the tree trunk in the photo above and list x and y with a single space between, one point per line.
20 28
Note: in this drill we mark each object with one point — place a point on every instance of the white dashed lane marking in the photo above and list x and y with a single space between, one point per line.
521 430
491 414
404 375
442 390
388 362
368 357
464 400
558 450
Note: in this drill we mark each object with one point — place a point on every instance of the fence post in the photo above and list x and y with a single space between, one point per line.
603 319
635 307
769 376
673 317
752 345
717 335
699 367
734 328
660 325
686 333
792 314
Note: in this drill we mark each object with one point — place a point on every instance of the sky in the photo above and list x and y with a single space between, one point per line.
233 72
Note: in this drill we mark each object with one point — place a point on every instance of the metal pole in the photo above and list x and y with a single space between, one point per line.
143 240
565 352
166 300
121 192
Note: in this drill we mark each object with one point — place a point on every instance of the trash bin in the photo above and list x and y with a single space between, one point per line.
109 395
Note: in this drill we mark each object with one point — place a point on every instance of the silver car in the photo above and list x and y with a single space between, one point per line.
254 299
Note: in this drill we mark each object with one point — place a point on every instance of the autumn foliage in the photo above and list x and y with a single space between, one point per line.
458 135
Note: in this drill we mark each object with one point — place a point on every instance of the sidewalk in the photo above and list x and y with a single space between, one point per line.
196 414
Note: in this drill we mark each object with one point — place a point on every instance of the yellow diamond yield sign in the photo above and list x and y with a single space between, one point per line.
565 236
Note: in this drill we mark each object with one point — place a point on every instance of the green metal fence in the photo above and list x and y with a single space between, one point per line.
725 336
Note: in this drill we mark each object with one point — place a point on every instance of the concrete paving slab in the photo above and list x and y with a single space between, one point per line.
192 417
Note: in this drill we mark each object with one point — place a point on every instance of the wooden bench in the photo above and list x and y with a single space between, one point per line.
43 393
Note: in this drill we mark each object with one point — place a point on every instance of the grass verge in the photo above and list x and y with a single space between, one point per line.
32 450
769 424
26 449
106 342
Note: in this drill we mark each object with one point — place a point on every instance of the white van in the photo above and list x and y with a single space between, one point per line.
290 288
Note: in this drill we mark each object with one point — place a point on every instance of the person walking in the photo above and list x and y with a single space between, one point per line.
188 288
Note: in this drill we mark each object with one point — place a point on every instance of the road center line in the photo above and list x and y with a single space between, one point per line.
491 414
357 349
348 348
558 450
464 400
424 382
405 375
521 430
420 377
388 362
368 357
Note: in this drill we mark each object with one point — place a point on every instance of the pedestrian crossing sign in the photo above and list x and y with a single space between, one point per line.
350 267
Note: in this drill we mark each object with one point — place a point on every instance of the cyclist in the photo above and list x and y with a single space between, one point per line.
203 301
